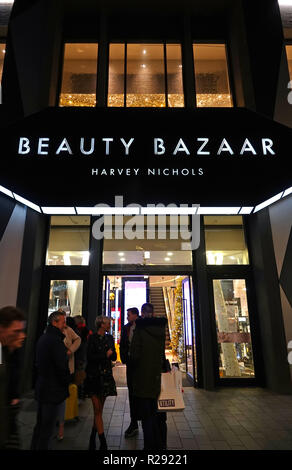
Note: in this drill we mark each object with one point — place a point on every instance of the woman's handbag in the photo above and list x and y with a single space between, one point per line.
171 398
79 377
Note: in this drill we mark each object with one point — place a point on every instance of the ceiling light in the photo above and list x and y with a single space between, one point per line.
6 191
218 210
143 66
169 210
246 210
285 3
288 191
169 254
59 210
166 259
122 259
27 203
108 210
268 202
121 254
144 51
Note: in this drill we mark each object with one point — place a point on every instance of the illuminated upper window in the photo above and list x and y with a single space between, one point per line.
79 76
225 240
145 75
211 75
69 241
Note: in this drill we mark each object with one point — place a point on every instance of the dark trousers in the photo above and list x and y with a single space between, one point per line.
45 425
153 423
129 372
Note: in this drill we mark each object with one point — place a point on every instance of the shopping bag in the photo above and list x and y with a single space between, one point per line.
71 411
171 398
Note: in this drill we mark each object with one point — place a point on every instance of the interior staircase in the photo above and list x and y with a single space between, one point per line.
157 300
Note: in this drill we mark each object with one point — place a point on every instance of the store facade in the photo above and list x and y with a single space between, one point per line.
137 167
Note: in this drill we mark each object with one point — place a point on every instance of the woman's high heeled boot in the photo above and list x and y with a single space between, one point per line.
103 444
92 443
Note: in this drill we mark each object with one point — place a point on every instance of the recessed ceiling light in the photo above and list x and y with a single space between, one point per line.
144 51
122 259
166 259
121 254
169 254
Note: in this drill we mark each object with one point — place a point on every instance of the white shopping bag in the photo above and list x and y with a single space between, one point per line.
171 398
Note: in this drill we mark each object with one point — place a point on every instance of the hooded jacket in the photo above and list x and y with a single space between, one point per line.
147 355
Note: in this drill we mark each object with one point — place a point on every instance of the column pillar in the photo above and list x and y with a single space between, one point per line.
95 279
264 38
202 304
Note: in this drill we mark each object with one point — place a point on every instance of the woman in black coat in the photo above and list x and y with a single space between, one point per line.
99 382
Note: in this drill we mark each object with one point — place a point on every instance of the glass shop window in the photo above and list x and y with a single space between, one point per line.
69 241
145 75
141 241
211 76
289 59
67 295
233 329
79 76
225 240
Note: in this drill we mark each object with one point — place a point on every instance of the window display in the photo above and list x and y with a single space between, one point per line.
79 75
211 74
233 329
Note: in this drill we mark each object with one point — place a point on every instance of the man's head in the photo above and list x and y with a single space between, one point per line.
57 319
12 326
147 310
132 314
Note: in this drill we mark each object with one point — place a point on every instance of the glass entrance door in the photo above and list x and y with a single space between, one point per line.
188 325
235 353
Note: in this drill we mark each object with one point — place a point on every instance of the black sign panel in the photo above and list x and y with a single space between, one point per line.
82 157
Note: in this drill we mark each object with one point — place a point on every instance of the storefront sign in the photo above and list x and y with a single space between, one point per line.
196 146
80 157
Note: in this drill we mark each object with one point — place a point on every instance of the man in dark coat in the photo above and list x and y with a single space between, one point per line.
147 355
126 338
53 378
12 335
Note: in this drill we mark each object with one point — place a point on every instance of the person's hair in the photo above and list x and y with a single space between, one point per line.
101 319
62 312
78 319
10 314
147 309
133 310
54 316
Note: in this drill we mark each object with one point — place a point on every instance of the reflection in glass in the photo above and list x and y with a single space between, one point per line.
66 295
187 309
289 59
225 240
233 328
211 75
175 94
79 75
145 75
116 80
2 55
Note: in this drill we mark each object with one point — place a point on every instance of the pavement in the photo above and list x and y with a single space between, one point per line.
245 418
